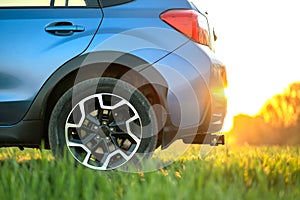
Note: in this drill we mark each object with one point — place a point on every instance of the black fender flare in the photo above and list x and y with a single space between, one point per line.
102 60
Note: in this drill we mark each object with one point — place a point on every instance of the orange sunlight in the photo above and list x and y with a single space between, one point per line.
277 123
257 41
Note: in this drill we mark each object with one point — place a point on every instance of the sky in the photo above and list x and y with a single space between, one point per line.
258 41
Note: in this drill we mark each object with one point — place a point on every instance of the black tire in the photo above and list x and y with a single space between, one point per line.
116 126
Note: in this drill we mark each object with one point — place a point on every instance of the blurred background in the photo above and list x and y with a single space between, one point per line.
258 41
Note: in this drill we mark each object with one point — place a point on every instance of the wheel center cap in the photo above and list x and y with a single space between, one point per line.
105 129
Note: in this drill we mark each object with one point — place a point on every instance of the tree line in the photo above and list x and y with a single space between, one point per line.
277 123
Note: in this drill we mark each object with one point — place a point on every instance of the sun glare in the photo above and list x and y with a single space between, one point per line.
260 57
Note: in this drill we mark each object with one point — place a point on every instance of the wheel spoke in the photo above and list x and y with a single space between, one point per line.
81 108
123 102
93 120
100 98
88 138
71 125
109 156
117 133
117 124
78 144
134 137
87 158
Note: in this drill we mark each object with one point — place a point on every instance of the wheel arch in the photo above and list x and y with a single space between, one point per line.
117 65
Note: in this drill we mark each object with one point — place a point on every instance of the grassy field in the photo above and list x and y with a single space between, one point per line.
226 173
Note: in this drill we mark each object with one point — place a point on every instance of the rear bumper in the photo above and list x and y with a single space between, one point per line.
196 100
218 97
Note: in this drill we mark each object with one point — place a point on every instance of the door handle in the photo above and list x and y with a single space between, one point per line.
64 30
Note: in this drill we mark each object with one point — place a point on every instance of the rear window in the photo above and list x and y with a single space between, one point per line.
49 3
107 3
60 3
87 3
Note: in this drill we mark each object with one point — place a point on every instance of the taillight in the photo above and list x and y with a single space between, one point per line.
189 22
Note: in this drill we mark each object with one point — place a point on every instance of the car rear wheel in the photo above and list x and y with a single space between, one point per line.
104 124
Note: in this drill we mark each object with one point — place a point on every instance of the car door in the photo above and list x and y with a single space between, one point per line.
36 38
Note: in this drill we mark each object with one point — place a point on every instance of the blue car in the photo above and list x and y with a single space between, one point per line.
108 81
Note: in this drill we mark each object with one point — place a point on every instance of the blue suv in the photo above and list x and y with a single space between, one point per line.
108 80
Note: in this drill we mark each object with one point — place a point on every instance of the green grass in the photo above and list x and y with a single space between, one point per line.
226 173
